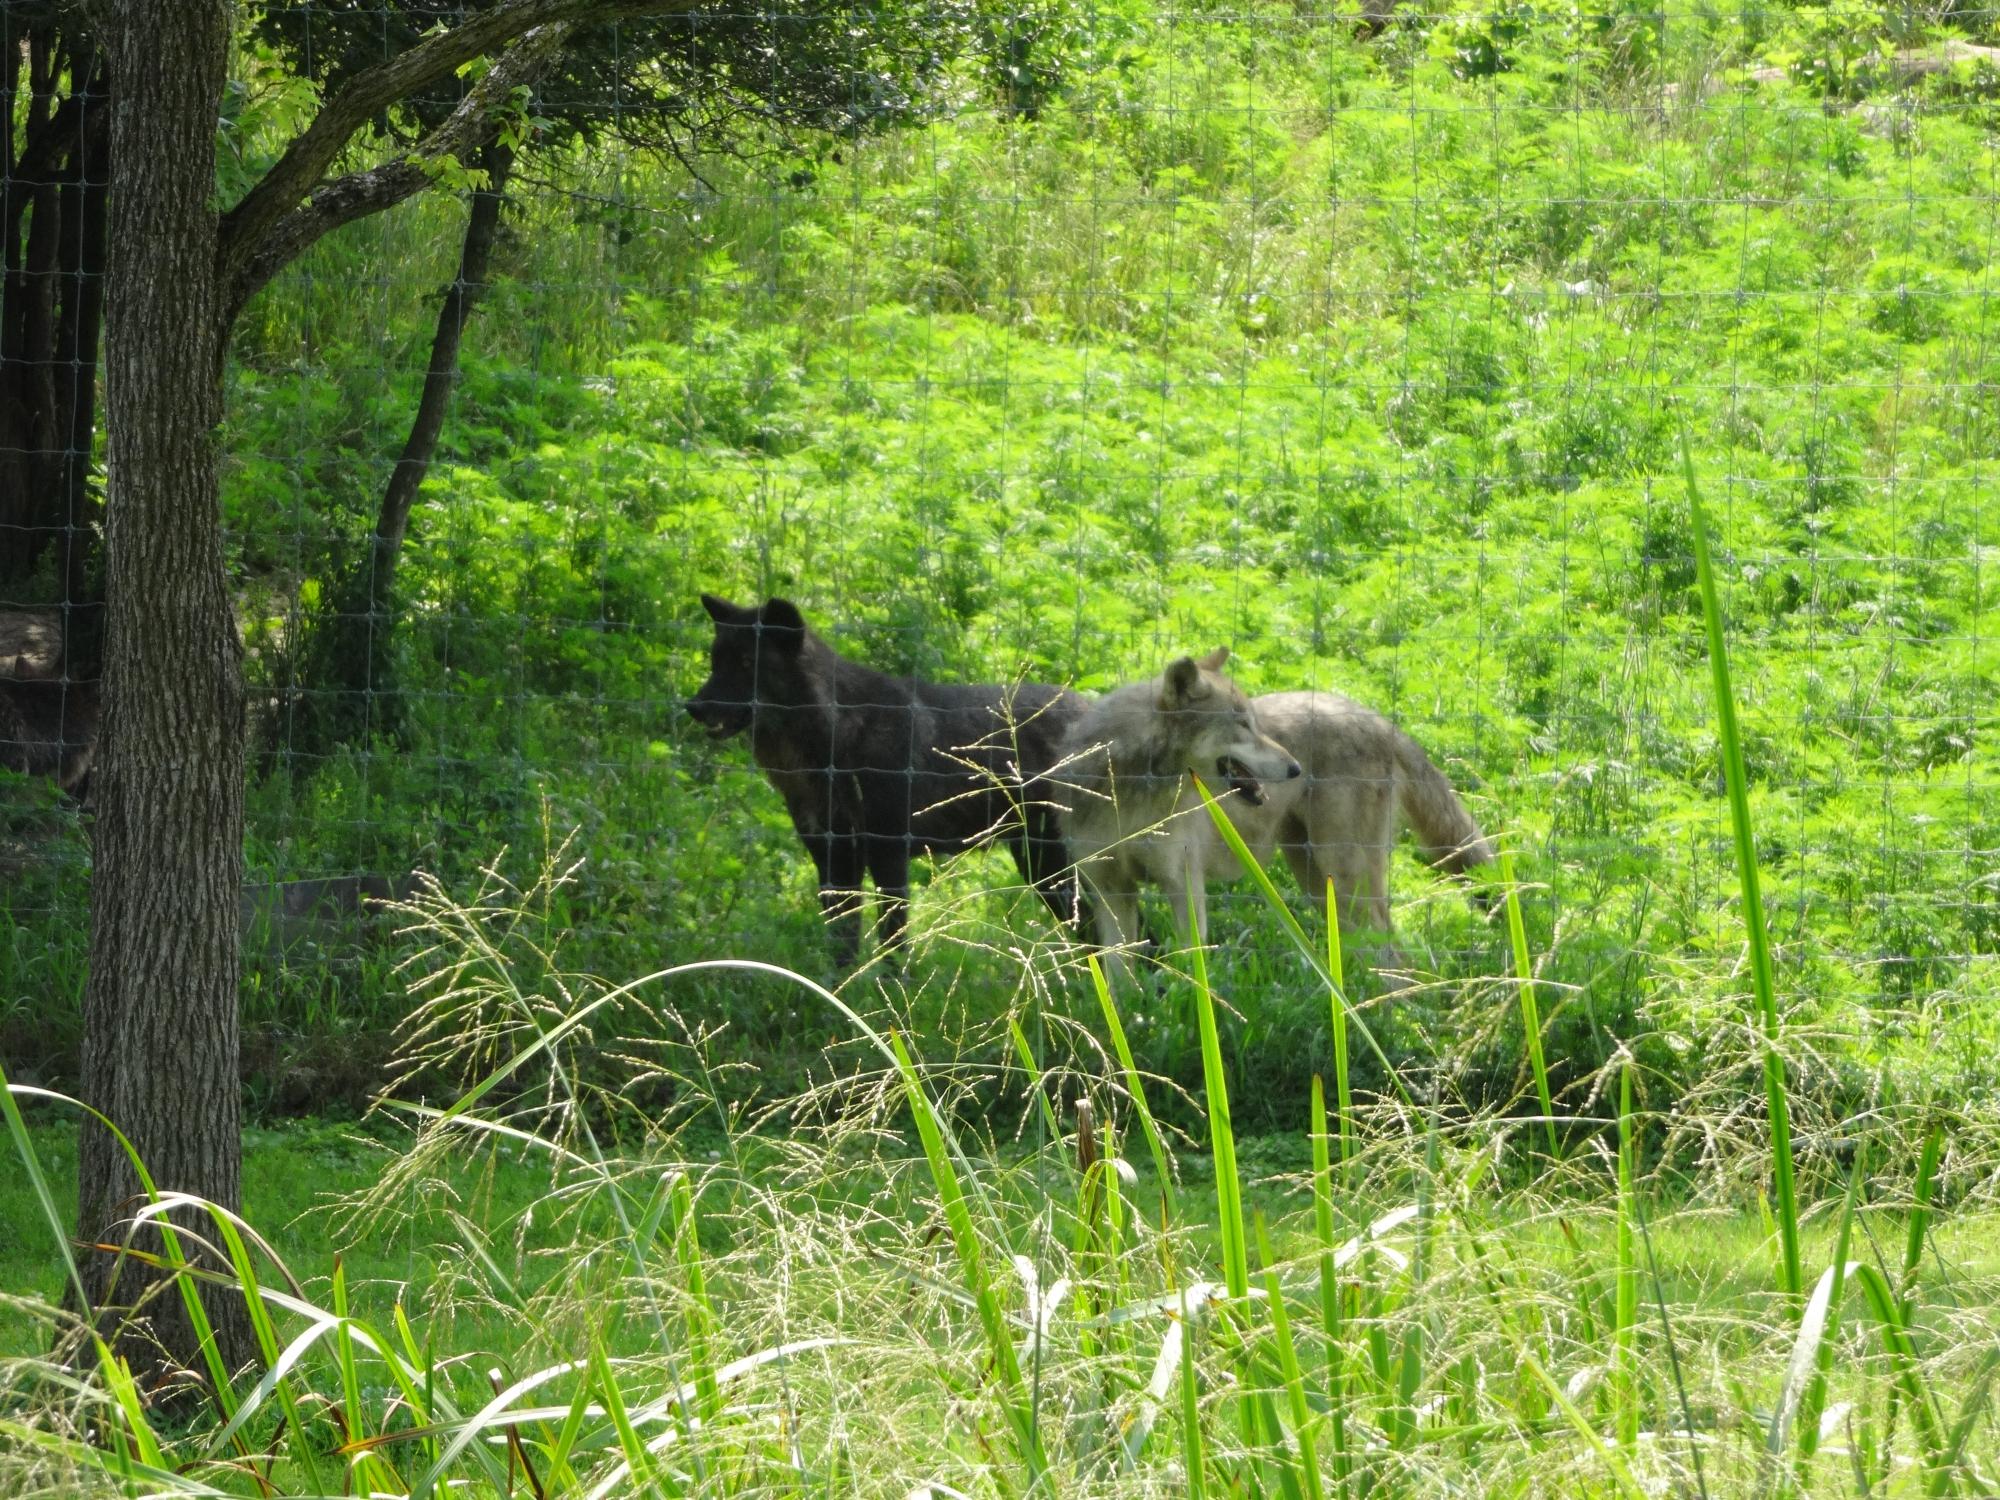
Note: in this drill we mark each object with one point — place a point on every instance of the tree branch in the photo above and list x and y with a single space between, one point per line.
305 162
359 194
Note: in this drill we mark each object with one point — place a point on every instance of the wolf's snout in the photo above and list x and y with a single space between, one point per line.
720 719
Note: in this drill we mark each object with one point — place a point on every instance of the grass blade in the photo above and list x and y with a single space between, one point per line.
1812 1400
1332 1323
1920 1213
1627 1483
1135 1089
1673 1350
1303 1420
1033 1072
1762 981
972 1266
1625 1308
638 1464
1221 1135
1337 996
24 1147
701 1319
1193 1455
1896 1340
1261 878
1969 1413
1531 1014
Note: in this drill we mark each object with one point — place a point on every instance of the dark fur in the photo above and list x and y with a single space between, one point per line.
50 729
875 769
48 723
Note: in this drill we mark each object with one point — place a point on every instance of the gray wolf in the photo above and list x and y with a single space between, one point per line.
1126 769
1310 773
875 769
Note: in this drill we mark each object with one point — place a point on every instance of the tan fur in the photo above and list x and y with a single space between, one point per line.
1362 777
1127 765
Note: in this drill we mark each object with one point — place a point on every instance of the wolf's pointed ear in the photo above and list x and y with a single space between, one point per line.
781 625
1182 684
1214 660
781 614
723 612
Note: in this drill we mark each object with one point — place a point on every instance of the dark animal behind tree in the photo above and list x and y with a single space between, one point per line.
876 768
48 720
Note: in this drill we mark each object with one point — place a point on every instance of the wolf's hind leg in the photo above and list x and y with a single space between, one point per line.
1360 876
1306 871
1188 901
1361 887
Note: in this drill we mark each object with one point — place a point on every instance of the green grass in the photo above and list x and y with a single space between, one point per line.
500 1256
930 1295
1712 1256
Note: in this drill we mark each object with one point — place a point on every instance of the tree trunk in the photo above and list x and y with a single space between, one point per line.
53 233
160 1023
348 669
86 215
482 227
54 86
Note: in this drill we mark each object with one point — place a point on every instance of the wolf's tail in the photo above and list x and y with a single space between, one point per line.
1446 834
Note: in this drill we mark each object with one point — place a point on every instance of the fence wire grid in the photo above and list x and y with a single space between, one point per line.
1053 344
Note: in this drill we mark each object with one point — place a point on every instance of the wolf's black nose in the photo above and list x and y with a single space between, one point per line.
1294 771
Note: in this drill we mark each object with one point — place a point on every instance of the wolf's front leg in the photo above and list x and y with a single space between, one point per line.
1189 905
838 857
1118 928
1044 861
889 866
825 814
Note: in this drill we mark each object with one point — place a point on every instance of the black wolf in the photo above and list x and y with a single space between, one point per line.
49 729
875 768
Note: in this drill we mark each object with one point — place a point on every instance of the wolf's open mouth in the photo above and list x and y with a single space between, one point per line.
1248 787
718 724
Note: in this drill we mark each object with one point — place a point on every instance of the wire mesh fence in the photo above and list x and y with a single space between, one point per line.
1050 345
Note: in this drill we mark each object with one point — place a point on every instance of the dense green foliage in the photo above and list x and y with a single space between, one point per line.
1363 354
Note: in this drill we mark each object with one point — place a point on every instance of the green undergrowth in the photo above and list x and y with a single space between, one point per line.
1360 353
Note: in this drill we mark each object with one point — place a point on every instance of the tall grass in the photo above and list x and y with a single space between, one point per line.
868 1290
1756 936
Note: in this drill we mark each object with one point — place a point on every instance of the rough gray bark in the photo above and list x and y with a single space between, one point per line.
160 1009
